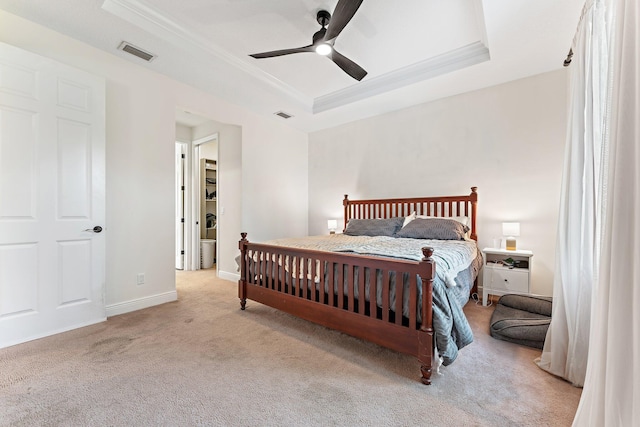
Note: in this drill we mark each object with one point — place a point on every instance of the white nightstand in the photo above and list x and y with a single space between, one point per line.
499 279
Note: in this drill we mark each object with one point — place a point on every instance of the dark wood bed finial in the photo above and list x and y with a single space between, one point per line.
474 189
427 252
242 243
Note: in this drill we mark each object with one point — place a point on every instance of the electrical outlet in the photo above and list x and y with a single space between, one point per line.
140 278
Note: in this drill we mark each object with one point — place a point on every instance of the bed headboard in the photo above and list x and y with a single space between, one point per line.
445 206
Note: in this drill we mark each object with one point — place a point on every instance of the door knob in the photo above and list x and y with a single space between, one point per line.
95 229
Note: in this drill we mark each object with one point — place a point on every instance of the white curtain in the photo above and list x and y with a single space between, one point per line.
577 251
611 395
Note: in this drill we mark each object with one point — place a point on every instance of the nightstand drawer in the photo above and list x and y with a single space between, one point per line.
509 280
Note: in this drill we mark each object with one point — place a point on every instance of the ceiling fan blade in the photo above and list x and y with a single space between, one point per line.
347 65
283 52
344 11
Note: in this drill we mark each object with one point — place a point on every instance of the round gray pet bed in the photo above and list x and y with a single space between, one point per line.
521 319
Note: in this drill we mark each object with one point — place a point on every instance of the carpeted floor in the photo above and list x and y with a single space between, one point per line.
202 361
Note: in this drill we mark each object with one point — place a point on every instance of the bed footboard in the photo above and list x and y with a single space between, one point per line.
359 295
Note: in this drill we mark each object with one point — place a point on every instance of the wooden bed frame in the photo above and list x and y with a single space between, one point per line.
340 310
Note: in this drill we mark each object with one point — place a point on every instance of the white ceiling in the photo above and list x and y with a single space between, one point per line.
414 51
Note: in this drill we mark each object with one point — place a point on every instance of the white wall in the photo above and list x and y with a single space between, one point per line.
507 140
276 204
183 133
140 152
230 205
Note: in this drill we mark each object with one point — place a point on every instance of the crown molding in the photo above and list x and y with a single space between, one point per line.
141 14
453 60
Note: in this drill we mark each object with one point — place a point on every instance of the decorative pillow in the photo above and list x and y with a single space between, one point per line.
373 227
464 220
433 228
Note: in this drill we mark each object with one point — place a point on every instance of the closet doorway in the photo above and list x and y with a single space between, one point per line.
205 197
196 192
205 138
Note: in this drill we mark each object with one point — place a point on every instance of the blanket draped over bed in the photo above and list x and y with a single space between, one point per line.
456 261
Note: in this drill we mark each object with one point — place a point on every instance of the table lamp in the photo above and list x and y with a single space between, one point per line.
332 224
511 230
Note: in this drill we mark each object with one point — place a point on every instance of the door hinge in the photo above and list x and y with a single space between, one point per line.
182 220
182 188
181 252
182 155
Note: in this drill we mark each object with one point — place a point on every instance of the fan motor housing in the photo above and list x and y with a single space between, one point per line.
323 17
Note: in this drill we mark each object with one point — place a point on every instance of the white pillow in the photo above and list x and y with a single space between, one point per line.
409 218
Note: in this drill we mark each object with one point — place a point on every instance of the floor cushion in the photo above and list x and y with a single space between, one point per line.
521 319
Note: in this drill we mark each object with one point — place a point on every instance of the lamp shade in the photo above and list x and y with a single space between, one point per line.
511 229
332 224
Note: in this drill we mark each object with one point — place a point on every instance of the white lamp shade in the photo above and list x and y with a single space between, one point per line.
332 224
511 229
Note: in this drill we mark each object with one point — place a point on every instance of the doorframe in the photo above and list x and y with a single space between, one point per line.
194 214
181 167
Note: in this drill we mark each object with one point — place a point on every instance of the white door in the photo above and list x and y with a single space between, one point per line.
52 138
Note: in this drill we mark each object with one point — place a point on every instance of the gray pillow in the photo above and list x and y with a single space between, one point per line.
433 228
373 227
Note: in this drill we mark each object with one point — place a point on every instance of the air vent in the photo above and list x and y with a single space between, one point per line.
136 51
283 115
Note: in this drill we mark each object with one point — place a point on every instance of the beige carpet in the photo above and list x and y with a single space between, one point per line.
201 361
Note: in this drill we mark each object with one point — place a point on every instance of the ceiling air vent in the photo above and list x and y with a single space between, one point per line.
136 51
283 114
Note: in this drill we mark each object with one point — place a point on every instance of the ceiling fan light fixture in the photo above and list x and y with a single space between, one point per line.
323 49
323 39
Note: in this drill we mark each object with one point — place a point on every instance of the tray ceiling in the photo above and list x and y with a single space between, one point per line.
414 51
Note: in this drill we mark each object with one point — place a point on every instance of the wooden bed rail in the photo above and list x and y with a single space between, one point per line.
311 285
446 206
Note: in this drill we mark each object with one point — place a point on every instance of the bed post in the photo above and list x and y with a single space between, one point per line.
242 283
425 335
345 203
474 206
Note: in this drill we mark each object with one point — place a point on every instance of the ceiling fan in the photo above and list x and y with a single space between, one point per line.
324 39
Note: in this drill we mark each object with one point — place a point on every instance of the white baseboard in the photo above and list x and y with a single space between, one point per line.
4 344
140 303
234 277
